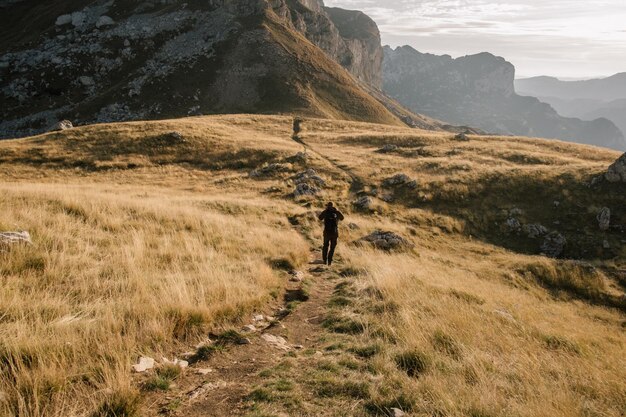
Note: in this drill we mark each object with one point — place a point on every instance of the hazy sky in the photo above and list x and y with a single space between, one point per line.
564 38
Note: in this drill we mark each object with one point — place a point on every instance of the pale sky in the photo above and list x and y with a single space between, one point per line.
562 38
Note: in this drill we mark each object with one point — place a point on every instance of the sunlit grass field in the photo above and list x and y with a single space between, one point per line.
144 241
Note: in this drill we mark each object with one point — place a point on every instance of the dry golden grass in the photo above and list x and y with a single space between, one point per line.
117 272
142 244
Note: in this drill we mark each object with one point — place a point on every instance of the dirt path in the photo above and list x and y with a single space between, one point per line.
234 371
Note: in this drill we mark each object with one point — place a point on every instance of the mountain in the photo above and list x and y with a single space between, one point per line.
103 61
614 110
604 89
479 90
587 99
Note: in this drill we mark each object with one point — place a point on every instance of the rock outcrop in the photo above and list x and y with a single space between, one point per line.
553 245
604 219
8 239
105 61
478 90
386 240
617 171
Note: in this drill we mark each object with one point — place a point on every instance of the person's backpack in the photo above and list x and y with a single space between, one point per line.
331 222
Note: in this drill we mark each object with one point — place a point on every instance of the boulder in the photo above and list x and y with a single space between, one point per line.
64 19
296 276
400 180
461 137
62 125
303 189
86 81
604 218
308 183
145 363
513 225
364 203
617 171
270 170
104 21
396 412
309 176
276 341
534 231
386 240
12 238
176 362
553 245
387 148
78 19
299 158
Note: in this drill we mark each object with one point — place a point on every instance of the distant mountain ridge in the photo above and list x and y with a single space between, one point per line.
605 89
479 90
586 99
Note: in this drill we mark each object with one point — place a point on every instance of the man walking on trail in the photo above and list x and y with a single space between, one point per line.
331 217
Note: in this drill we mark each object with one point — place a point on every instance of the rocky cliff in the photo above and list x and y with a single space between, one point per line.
114 60
479 90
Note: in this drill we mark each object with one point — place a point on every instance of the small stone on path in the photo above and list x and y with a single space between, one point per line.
145 363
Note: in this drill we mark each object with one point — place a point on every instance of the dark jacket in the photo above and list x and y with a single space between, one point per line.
331 217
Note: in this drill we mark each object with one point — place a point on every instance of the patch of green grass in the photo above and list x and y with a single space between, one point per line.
413 362
157 383
205 352
283 385
169 371
339 301
366 351
119 404
344 325
327 366
349 364
344 289
174 404
351 389
335 346
260 395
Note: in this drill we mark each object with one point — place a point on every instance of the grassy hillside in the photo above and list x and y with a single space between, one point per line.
149 235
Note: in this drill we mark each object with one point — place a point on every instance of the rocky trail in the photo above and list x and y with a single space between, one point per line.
223 384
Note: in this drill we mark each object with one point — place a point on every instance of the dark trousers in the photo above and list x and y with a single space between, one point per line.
330 243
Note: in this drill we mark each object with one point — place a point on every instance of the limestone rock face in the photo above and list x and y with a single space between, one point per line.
479 91
350 37
604 218
617 171
553 245
62 125
110 61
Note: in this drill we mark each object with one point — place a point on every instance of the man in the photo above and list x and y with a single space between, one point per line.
331 217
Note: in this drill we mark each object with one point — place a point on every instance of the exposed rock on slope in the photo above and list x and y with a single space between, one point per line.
617 171
478 90
122 60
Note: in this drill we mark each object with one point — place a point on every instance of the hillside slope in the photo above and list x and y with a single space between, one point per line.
116 61
149 236
479 91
